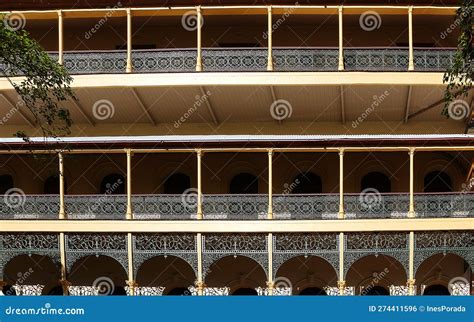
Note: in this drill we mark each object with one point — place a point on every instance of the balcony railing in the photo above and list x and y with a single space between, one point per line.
182 60
239 207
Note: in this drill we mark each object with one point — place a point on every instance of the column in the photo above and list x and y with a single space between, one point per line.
60 38
199 185
341 184
270 284
129 214
411 211
200 281
411 65
341 40
131 280
62 208
411 276
270 184
341 283
269 39
199 39
62 250
129 41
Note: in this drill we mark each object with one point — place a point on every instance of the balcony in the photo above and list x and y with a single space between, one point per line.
240 207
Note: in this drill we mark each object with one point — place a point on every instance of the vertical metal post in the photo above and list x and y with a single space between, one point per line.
60 38
62 252
62 208
199 184
411 211
341 283
129 41
341 214
270 184
269 39
200 280
129 214
341 39
411 277
199 39
131 278
411 65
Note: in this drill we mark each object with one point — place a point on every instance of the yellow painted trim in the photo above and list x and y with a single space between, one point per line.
251 226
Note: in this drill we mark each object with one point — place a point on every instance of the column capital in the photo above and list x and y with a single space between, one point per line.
340 9
200 285
270 152
270 284
131 283
410 9
60 13
198 9
341 151
65 284
342 286
269 9
199 152
129 152
411 151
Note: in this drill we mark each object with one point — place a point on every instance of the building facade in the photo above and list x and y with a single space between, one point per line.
267 149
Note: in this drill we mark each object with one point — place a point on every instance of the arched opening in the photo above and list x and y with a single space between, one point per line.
172 273
56 290
113 184
6 183
438 181
376 180
51 185
245 291
436 289
179 291
236 272
376 290
307 183
306 275
313 291
244 183
177 183
8 290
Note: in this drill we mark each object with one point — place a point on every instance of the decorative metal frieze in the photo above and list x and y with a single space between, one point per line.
296 206
15 244
278 291
459 288
358 245
217 246
289 245
444 205
95 62
234 59
171 207
83 290
146 290
210 291
335 291
28 290
103 206
433 59
146 246
305 59
22 206
164 60
235 207
428 244
397 290
105 244
379 59
376 206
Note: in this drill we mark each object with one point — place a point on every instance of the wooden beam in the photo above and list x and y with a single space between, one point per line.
14 106
209 105
83 113
142 106
407 106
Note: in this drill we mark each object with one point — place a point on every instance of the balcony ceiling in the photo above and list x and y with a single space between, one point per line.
248 104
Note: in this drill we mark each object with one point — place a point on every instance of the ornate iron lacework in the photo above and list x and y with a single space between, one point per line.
28 290
428 244
289 245
444 205
96 207
305 59
358 245
217 246
234 59
164 60
379 59
305 206
379 206
30 207
146 246
12 245
171 207
93 62
433 59
235 207
106 244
